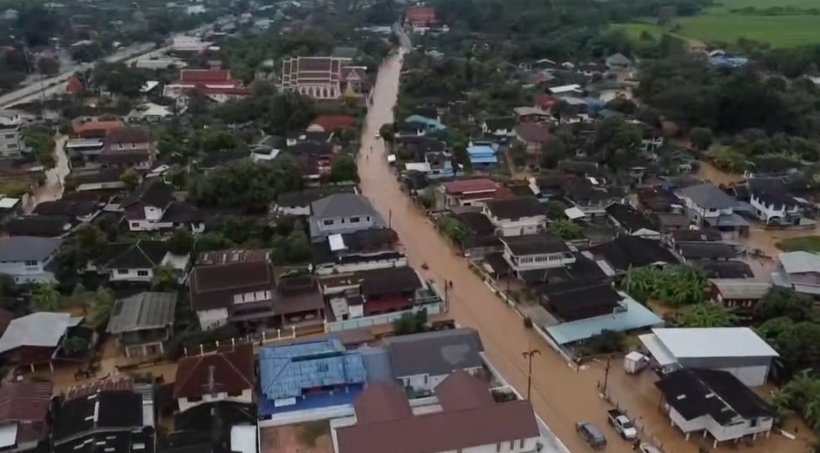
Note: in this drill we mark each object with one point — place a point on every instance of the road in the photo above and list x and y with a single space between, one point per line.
55 178
561 395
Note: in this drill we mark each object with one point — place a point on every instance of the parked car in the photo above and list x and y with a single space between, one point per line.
591 435
649 448
622 424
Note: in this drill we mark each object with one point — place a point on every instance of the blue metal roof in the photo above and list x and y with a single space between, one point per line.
636 316
480 149
483 160
286 371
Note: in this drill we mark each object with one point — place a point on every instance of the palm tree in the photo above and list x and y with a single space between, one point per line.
44 297
707 315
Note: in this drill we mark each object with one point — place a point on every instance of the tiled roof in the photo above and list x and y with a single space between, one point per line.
146 310
461 186
233 372
24 401
213 286
205 75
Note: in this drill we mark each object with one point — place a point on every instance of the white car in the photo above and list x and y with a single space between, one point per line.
649 448
377 135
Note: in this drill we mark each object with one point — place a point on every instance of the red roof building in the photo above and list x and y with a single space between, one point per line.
473 192
24 409
74 85
217 84
206 77
95 129
226 375
333 123
327 78
421 16
470 418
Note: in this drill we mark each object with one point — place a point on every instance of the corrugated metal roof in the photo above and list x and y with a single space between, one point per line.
713 342
636 316
800 262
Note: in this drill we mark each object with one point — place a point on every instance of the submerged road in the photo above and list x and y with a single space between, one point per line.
560 395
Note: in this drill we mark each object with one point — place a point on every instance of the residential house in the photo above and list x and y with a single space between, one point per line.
799 271
625 252
322 78
308 375
420 362
11 136
225 376
24 415
111 420
699 235
239 287
632 222
772 202
358 251
136 262
297 203
479 236
421 19
342 213
216 84
77 211
36 339
691 251
470 420
95 129
333 123
389 290
618 63
428 125
153 207
738 295
482 156
714 401
516 216
573 300
533 136
723 269
436 165
534 253
9 206
473 192
316 158
38 226
223 426
128 147
531 115
268 148
707 205
500 127
588 195
26 259
737 350
143 322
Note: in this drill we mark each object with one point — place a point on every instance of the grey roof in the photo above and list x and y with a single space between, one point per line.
708 196
377 364
342 205
43 329
435 353
148 310
699 342
746 289
618 58
28 248
800 262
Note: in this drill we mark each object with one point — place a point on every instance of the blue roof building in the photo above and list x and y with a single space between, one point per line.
430 124
309 375
482 155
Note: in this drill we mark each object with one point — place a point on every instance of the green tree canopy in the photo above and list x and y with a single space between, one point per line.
705 315
344 169
45 297
566 229
181 242
675 286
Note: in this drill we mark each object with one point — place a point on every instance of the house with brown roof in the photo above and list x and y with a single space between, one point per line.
246 293
94 129
216 84
128 147
533 136
332 123
473 192
325 78
421 19
224 376
469 420
24 408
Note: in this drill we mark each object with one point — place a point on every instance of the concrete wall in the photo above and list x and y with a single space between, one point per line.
212 318
245 397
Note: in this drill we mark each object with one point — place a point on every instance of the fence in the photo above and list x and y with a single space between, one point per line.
387 318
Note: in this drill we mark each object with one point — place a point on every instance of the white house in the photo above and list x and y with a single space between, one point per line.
704 401
422 361
135 262
516 216
26 258
772 202
707 205
11 138
535 252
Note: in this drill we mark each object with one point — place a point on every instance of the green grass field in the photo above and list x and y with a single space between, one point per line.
805 243
718 24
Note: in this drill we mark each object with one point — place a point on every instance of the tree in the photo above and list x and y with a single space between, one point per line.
607 342
701 137
798 343
452 228
410 323
44 297
101 308
131 179
566 229
555 210
181 242
296 247
706 315
783 302
388 133
344 169
800 396
675 286
165 279
727 159
617 143
75 346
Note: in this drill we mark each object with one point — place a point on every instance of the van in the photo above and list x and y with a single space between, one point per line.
591 435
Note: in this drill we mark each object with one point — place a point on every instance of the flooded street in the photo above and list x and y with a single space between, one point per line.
560 394
55 178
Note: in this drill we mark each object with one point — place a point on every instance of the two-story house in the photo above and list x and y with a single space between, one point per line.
153 207
470 420
142 323
342 213
11 137
499 127
26 258
128 147
473 192
516 216
772 202
533 136
227 375
135 262
535 253
707 205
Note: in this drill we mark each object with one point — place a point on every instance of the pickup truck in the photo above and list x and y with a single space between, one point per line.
622 424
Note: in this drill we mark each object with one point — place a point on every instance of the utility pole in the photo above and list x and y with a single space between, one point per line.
606 376
529 355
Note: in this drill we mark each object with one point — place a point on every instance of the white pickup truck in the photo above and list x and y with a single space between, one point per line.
622 424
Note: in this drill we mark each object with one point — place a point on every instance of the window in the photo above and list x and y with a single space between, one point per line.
353 220
142 273
521 443
11 136
30 263
498 446
12 146
327 222
122 271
